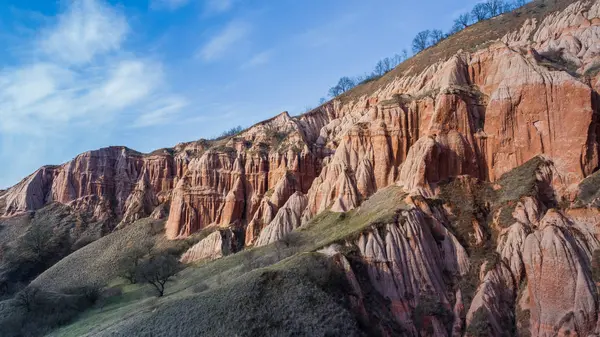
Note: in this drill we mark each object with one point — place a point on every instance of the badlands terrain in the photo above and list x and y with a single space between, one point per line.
457 195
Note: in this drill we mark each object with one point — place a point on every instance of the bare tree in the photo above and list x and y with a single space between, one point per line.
461 22
436 36
131 261
231 132
37 242
397 59
322 100
344 84
158 270
480 12
404 54
383 66
494 7
421 41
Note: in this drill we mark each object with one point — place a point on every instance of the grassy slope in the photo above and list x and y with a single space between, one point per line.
97 262
293 298
277 289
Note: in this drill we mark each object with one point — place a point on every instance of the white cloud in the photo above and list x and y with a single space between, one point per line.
258 59
68 85
87 29
222 42
161 112
168 4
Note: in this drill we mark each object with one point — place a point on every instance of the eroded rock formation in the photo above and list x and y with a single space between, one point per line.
511 126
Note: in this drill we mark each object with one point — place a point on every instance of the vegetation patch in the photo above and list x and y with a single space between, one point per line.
554 60
430 306
592 71
51 233
34 312
480 326
229 133
100 262
589 191
596 266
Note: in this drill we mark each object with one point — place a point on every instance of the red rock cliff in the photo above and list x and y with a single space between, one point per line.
460 109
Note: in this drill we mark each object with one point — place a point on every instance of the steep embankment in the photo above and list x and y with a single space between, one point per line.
494 136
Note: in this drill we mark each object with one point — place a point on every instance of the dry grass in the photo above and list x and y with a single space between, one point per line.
99 262
301 297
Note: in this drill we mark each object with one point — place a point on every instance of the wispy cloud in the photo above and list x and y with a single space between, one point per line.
224 41
82 74
168 4
258 59
160 112
87 29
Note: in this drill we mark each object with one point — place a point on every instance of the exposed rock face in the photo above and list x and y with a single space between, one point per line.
218 244
226 186
554 250
406 261
288 218
109 183
479 113
436 129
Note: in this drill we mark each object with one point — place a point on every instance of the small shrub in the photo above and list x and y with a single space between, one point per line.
596 266
247 260
479 326
90 294
522 318
290 239
275 136
200 287
28 299
593 70
225 149
492 261
36 312
554 60
430 306
231 132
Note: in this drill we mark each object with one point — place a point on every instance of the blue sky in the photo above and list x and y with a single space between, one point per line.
80 75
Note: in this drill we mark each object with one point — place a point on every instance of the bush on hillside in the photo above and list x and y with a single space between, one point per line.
596 266
479 326
231 132
34 312
37 250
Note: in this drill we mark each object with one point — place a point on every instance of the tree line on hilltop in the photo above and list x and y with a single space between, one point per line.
425 39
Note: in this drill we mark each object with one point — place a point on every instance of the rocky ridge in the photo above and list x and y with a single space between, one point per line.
511 125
